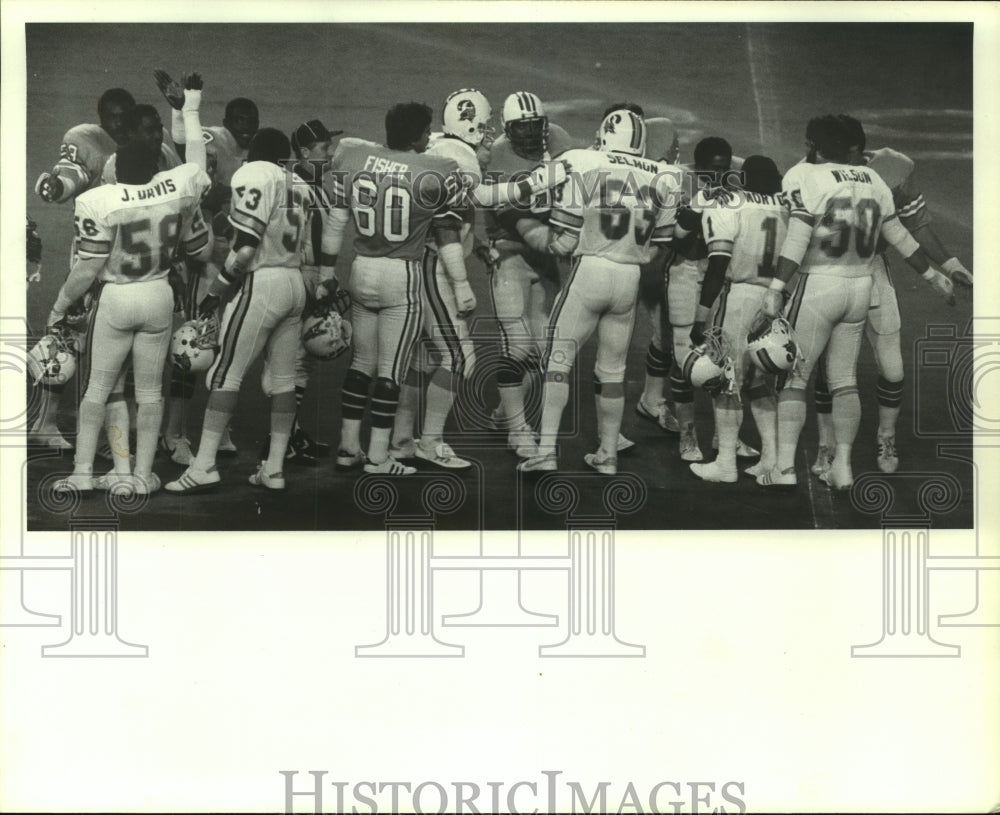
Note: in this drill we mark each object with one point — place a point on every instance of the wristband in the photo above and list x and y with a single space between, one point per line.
952 265
776 285
192 100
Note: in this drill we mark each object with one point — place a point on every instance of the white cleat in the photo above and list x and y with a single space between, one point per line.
192 481
115 483
824 458
146 484
226 445
348 461
888 458
690 451
178 448
442 455
269 481
838 477
539 463
408 449
744 450
759 468
658 413
713 472
389 467
601 462
624 444
77 482
778 479
522 441
53 439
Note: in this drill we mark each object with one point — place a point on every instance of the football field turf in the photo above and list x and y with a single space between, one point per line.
755 85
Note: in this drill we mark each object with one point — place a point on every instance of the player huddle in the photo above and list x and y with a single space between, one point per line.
204 256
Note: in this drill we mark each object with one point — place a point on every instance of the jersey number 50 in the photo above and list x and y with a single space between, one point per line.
844 217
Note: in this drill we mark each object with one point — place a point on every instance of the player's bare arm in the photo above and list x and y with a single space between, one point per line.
81 278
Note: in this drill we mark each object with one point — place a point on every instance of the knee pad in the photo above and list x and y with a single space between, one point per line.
609 376
147 396
354 394
657 361
385 397
890 394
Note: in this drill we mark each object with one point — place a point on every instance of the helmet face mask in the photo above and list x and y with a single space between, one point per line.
526 125
53 359
710 365
326 332
193 346
467 116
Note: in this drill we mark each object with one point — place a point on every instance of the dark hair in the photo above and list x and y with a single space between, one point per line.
112 96
830 136
760 174
269 144
134 164
632 106
133 117
405 123
711 146
855 132
240 102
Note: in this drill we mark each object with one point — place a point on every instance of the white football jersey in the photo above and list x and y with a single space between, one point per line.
750 234
618 204
273 205
464 155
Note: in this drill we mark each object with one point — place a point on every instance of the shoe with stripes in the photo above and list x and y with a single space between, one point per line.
442 455
389 467
608 465
759 468
115 483
715 473
690 451
522 442
659 414
178 448
778 479
888 458
226 446
348 461
538 464
193 480
270 481
146 485
77 482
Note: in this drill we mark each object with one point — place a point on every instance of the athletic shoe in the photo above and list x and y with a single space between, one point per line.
75 483
778 479
226 446
838 477
408 449
146 485
443 456
116 483
272 481
690 451
624 445
714 472
601 462
301 450
759 468
522 442
659 414
888 459
743 450
349 461
539 463
178 448
389 467
193 480
824 458
54 440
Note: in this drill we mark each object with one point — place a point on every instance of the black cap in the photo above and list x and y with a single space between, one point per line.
311 132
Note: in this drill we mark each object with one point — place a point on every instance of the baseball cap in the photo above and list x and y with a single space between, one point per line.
311 132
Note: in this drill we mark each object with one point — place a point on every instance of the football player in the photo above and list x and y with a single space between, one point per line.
311 144
742 240
129 233
662 145
142 124
270 213
82 156
883 325
396 194
609 236
523 281
838 214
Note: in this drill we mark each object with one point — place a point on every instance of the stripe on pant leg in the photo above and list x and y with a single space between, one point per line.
442 317
230 338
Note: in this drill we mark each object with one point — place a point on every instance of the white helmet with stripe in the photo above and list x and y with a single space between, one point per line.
622 131
772 347
467 116
525 124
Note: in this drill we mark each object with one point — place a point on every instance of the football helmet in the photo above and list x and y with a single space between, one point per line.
710 365
53 359
194 344
467 116
525 124
772 346
622 131
326 333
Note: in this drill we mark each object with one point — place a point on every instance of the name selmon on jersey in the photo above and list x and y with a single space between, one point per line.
749 231
846 206
394 196
273 205
140 228
619 205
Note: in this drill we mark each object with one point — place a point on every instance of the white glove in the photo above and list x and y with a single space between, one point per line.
941 284
464 298
957 272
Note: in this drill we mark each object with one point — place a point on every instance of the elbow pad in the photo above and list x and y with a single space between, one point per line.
796 241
